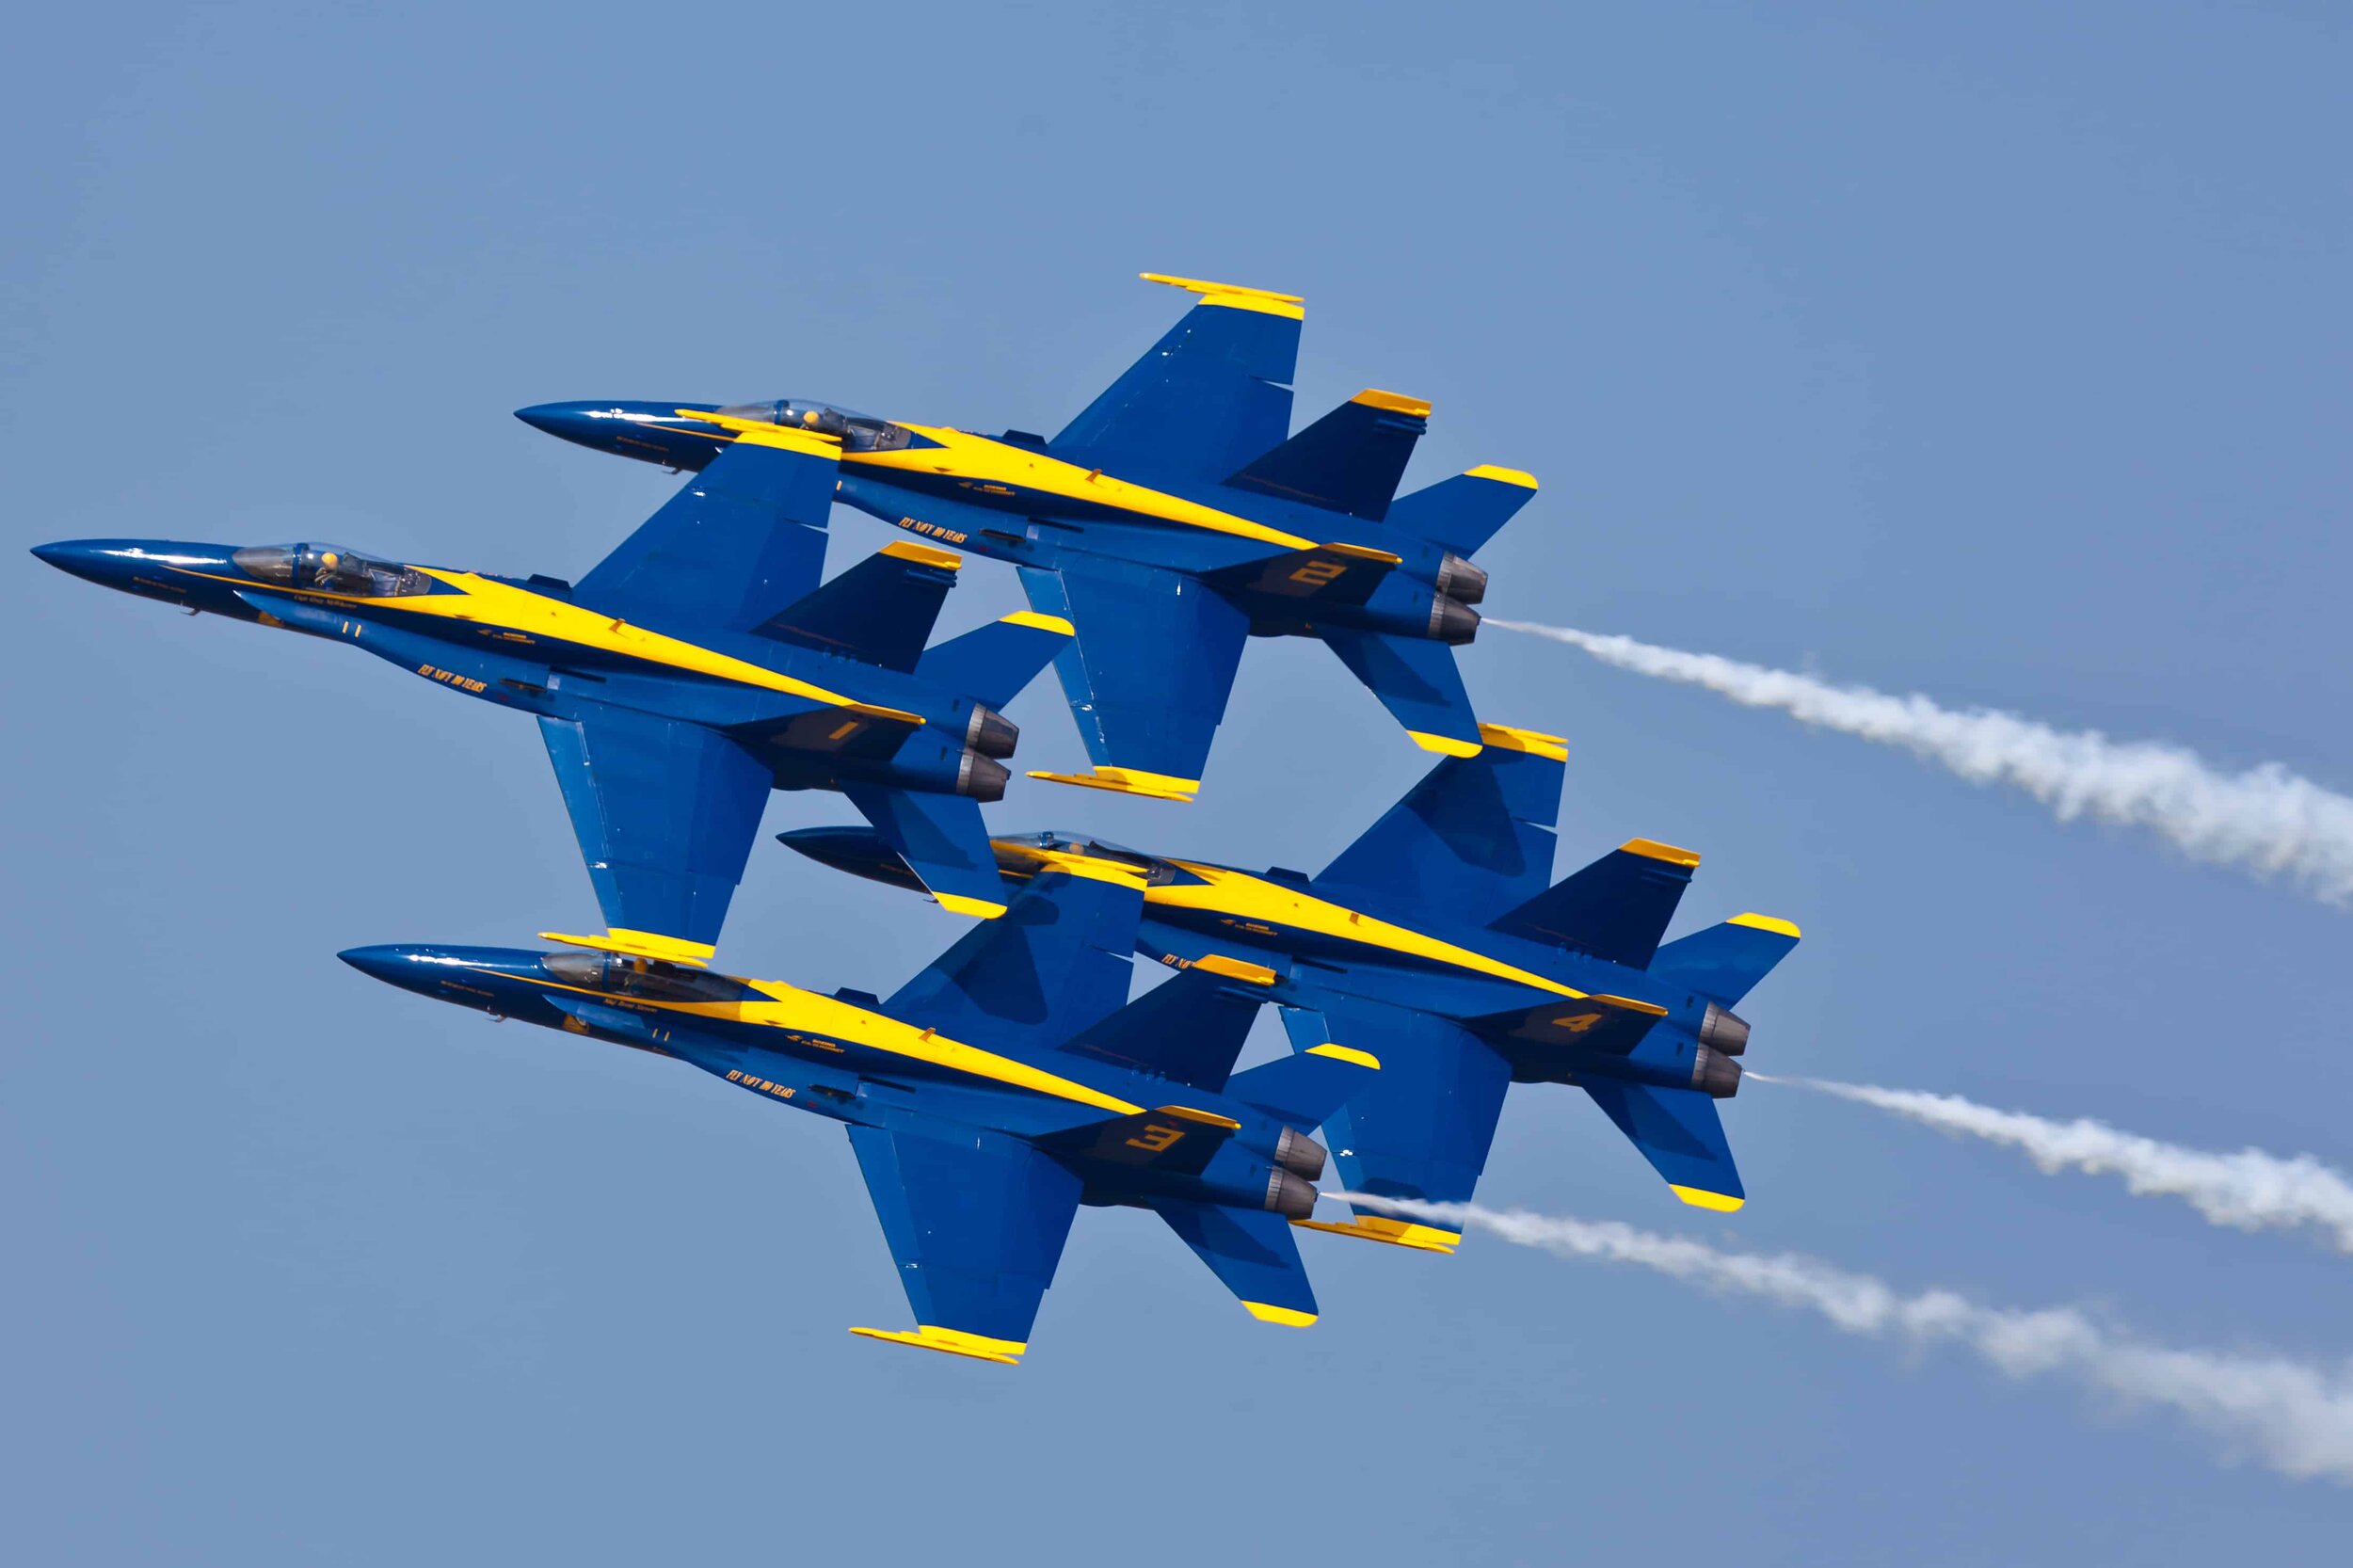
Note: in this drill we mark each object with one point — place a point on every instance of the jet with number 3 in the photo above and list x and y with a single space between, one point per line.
1175 519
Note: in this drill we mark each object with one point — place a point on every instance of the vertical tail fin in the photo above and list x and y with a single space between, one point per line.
1348 461
1465 511
1680 1133
880 611
1474 836
1417 681
1725 961
1253 1252
1616 908
993 664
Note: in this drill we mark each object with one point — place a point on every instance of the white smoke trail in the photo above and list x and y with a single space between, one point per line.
2266 820
2298 1417
2250 1190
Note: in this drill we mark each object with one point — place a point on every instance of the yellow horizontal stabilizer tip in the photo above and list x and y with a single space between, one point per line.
876 711
1346 1054
1630 1006
639 944
908 550
1362 552
1235 296
1767 922
1445 745
1535 741
1651 849
980 1347
1106 778
1721 1202
1207 1119
1396 402
1235 969
980 908
1044 623
1502 476
1396 1233
1287 1317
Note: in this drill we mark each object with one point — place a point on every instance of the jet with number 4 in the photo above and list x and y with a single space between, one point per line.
1172 520
700 666
1435 944
1001 1089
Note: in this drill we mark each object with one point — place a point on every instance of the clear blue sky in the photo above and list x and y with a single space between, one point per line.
1998 351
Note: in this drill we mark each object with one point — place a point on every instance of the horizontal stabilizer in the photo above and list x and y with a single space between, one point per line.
1417 681
1598 1023
1465 511
1253 1254
1474 836
880 611
1175 1139
1348 461
993 664
1724 961
1302 1089
1187 1030
1680 1133
1616 908
1055 964
942 840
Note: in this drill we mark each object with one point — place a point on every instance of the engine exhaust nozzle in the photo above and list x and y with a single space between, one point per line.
991 733
981 777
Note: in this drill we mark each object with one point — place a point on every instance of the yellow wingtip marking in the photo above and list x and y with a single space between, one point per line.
1346 1054
1651 849
923 554
1044 623
1131 781
1396 402
1445 745
1502 476
1767 922
1723 1202
980 908
1396 1233
876 711
1287 1317
1630 1004
1511 738
1235 969
1207 1119
1234 296
639 944
980 1347
1363 552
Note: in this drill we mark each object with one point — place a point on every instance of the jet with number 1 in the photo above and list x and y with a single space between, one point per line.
697 668
1172 520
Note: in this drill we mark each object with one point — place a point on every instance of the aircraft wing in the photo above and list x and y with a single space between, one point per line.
740 542
1147 674
1682 1135
665 812
1417 681
1474 837
1055 963
976 1226
943 841
1212 394
1252 1251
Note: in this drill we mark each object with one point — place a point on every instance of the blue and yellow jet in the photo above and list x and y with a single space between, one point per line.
1006 1085
1172 520
1435 944
695 668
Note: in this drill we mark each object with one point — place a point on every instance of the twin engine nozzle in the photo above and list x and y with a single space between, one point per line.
1723 1034
1290 1185
988 736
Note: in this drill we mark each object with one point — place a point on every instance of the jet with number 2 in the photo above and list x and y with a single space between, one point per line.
1435 944
697 668
1001 1089
1172 520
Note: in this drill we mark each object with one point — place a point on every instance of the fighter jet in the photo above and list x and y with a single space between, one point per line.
994 1093
1172 520
697 668
1433 943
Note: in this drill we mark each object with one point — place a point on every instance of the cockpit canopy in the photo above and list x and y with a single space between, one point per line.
330 568
855 431
649 977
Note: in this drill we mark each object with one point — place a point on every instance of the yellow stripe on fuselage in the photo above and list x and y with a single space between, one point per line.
503 607
789 1007
963 455
1245 897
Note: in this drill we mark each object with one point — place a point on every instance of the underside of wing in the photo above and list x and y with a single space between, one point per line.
1053 964
1210 396
976 1226
665 812
1147 674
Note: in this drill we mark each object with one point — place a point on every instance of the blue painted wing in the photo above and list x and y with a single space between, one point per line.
1187 1030
941 839
1055 963
1680 1133
1416 680
976 1226
1348 461
880 611
993 663
1724 961
739 542
1616 908
1211 395
1252 1251
665 812
1474 836
1150 670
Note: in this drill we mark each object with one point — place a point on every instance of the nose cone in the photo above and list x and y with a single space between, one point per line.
651 432
102 561
404 964
169 570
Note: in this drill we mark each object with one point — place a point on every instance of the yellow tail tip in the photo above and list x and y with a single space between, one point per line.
1723 1202
949 1341
1445 745
1287 1317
